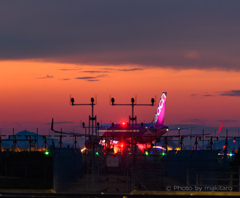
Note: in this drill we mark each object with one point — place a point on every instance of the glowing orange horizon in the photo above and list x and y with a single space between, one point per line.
34 92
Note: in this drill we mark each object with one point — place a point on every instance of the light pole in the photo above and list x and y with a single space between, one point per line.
91 118
133 118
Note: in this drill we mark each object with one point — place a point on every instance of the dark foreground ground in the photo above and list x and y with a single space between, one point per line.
134 194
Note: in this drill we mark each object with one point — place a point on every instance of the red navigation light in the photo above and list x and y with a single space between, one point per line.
123 123
224 146
148 146
121 145
234 141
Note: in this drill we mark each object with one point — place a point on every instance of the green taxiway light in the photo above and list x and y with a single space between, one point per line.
146 153
97 153
46 153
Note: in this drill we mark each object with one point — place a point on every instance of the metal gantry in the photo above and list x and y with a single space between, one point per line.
132 119
91 119
45 143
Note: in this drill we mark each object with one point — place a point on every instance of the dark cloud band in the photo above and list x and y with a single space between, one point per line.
176 34
45 77
231 93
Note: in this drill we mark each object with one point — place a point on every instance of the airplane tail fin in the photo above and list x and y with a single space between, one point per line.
219 130
159 115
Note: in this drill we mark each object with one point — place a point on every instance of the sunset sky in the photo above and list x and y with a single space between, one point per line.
50 50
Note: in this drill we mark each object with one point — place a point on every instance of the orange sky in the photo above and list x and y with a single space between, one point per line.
34 92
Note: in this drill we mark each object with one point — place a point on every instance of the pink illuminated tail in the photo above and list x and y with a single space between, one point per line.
159 116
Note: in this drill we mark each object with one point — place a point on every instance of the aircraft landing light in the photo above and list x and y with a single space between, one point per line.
83 149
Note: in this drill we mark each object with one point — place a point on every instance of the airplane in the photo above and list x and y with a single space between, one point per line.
144 133
141 133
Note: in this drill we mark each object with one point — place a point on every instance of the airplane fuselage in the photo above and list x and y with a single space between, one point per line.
142 134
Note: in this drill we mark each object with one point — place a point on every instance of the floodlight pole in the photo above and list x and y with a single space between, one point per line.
211 143
133 118
179 138
90 118
45 142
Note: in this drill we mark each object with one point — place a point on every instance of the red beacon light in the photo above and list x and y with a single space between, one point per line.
123 123
234 140
224 146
